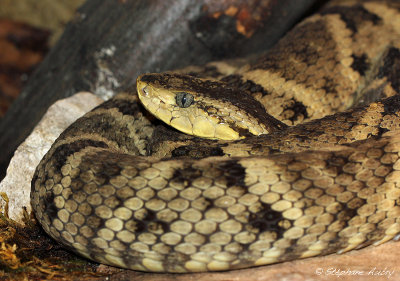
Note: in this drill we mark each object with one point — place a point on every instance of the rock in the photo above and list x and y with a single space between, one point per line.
17 183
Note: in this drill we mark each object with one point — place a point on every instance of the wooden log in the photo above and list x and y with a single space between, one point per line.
110 42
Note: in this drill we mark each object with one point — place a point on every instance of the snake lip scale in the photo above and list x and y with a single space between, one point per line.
293 156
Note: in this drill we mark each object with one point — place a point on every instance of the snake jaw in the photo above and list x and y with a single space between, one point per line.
193 121
180 102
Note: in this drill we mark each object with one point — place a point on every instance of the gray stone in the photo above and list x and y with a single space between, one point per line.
17 183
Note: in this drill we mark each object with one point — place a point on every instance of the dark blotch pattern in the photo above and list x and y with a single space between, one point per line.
150 223
391 68
198 152
299 109
267 219
350 210
49 205
235 81
186 175
106 126
300 45
63 151
381 131
234 173
360 63
391 104
353 16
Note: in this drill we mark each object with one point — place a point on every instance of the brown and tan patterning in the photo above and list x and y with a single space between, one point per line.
320 174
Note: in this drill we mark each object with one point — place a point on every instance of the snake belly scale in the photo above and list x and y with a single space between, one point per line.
325 179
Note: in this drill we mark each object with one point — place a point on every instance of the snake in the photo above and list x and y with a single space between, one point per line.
290 154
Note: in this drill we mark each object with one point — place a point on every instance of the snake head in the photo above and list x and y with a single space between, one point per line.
204 108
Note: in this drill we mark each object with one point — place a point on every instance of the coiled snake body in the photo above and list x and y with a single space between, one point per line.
313 185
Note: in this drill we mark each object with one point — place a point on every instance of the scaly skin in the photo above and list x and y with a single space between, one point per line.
328 185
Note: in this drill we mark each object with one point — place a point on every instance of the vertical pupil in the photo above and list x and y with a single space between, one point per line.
184 99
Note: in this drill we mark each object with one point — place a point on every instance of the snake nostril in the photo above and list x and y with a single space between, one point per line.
145 90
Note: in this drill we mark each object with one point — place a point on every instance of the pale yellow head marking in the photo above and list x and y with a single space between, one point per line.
163 103
200 107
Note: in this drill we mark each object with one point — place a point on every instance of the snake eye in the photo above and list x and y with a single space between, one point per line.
184 99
